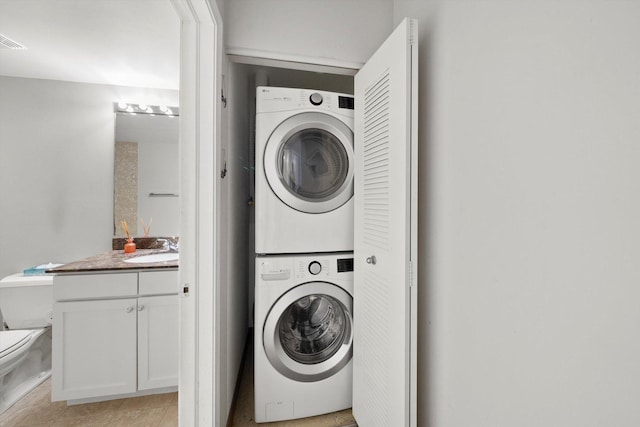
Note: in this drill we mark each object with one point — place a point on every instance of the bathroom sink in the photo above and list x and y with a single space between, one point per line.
162 257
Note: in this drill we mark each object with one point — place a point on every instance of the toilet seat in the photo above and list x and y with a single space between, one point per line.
12 341
14 347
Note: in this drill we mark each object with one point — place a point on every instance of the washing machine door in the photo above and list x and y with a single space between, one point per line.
308 333
308 162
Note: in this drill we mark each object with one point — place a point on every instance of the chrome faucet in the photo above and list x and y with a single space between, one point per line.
170 246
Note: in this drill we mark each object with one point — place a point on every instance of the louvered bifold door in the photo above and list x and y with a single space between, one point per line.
385 234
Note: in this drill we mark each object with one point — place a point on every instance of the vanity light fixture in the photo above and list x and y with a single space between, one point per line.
153 110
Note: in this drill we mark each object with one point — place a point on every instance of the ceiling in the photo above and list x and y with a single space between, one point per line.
115 42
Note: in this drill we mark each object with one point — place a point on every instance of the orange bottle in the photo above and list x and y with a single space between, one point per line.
130 246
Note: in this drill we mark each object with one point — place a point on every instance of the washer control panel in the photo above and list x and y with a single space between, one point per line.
323 267
318 267
345 265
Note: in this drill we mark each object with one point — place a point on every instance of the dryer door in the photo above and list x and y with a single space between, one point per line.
308 332
308 162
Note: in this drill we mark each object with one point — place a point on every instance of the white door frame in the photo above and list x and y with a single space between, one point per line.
200 130
200 82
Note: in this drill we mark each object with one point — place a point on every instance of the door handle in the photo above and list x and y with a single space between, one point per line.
129 309
371 260
141 307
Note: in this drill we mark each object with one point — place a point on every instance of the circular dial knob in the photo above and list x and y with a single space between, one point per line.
315 267
315 98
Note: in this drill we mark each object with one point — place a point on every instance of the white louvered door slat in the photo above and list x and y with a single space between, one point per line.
385 220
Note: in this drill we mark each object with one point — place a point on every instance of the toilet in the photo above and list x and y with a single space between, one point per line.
26 306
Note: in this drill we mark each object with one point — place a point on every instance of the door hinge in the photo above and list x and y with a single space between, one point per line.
413 32
185 289
223 98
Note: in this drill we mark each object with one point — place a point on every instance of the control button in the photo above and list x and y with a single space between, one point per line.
315 98
315 267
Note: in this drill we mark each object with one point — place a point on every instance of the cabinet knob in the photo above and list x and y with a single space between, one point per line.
129 309
372 260
141 307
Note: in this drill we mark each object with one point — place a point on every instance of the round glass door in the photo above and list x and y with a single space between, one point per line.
308 333
308 162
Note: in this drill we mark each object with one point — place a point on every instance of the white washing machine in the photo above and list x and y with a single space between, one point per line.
303 335
304 171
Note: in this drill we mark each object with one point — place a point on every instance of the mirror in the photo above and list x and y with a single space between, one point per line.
146 170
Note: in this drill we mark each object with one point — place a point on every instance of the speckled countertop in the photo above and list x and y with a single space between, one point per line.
114 261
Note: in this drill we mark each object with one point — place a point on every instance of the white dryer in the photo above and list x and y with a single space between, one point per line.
303 335
304 171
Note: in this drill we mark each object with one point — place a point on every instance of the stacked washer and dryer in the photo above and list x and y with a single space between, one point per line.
304 259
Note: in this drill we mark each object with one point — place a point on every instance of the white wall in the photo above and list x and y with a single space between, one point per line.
235 197
337 30
530 212
282 77
56 168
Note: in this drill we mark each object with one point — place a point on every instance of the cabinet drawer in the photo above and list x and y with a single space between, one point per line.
93 286
158 282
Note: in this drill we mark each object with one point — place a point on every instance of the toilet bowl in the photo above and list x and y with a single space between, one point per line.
26 303
14 347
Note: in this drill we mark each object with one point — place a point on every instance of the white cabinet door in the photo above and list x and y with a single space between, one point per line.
94 348
384 353
157 342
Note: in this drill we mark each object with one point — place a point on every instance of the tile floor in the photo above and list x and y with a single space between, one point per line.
159 410
244 410
36 410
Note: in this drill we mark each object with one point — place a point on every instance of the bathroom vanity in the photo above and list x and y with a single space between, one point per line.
115 328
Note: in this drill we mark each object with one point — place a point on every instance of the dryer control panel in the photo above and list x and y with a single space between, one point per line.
276 99
323 267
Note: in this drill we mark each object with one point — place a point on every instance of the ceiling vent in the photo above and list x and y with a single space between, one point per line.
7 43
